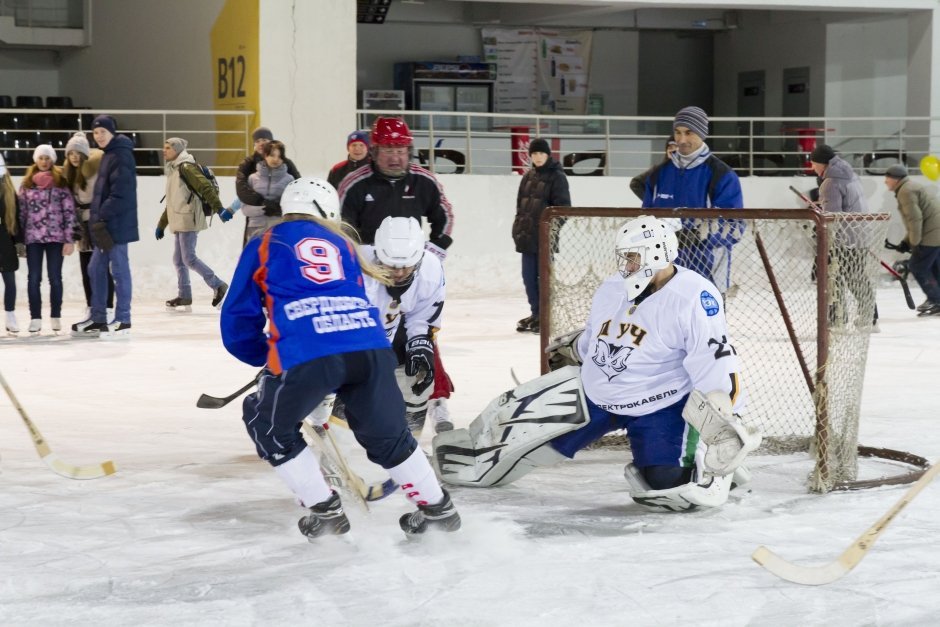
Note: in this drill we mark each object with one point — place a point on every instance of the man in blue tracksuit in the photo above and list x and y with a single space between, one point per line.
303 278
693 177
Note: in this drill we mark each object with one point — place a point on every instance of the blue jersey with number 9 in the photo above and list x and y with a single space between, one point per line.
310 283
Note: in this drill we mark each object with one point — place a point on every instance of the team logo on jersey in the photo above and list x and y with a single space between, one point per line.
610 358
709 303
369 198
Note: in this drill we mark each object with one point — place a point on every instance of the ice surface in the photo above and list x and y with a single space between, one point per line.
194 529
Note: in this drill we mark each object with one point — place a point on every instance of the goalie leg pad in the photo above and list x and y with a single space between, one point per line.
727 439
712 491
510 437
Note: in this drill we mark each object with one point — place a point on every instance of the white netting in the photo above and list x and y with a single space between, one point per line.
767 265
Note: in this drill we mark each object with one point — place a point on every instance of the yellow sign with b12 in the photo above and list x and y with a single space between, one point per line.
235 72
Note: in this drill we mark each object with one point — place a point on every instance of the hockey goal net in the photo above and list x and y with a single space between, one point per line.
799 293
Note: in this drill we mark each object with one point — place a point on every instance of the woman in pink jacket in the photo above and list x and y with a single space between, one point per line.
47 217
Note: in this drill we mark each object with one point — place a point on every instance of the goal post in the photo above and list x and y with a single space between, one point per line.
799 293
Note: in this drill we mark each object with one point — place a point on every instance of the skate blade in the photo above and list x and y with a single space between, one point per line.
111 336
94 335
180 309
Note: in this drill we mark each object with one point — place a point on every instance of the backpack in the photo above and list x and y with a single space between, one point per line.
210 176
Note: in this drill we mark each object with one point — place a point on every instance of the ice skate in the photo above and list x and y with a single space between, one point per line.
327 517
924 306
182 305
35 326
440 417
13 328
116 330
442 516
56 324
218 295
89 329
523 325
933 310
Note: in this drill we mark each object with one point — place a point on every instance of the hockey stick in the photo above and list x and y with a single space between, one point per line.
91 471
908 297
827 573
214 402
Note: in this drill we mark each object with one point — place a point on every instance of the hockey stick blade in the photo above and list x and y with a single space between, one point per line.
214 402
70 471
827 573
907 293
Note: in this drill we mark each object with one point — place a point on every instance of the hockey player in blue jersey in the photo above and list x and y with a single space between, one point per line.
304 279
655 359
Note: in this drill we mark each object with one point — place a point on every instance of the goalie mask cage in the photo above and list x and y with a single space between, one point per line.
799 294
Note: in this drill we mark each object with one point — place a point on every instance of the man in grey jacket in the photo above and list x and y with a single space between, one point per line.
921 213
841 192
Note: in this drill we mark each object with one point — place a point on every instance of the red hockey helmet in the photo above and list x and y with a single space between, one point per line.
390 132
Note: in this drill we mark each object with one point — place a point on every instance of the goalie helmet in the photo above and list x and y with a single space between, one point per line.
644 245
311 196
399 245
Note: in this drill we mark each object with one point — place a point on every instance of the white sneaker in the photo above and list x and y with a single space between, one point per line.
56 324
12 325
35 325
437 410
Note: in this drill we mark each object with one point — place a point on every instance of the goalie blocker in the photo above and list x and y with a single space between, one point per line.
512 435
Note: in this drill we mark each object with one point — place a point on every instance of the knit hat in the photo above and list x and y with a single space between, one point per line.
262 132
78 143
897 171
106 122
44 150
694 119
177 144
539 145
358 136
822 154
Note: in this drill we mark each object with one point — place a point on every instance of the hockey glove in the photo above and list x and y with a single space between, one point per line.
419 362
563 351
272 208
225 215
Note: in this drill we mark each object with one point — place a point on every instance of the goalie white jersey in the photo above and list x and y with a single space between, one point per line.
421 303
638 359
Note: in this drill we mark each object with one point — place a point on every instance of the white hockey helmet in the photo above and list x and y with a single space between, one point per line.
311 196
399 245
644 245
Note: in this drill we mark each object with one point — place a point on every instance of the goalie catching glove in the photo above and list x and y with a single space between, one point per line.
727 438
419 362
563 350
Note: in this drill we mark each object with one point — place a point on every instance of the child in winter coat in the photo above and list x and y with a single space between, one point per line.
269 181
81 171
10 236
47 216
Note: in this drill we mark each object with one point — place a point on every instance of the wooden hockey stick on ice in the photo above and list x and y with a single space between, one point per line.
91 471
827 573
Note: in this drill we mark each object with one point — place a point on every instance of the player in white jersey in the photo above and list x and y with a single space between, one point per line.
655 359
410 309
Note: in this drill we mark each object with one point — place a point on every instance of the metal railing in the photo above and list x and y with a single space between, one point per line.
495 143
217 139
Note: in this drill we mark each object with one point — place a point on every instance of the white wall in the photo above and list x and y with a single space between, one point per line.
481 260
144 55
28 73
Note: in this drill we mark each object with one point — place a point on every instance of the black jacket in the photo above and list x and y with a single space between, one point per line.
367 198
8 259
341 169
247 168
542 187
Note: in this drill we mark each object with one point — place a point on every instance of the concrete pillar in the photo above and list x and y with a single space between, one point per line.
923 80
308 78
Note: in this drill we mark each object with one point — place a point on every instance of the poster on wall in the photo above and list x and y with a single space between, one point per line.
235 74
539 70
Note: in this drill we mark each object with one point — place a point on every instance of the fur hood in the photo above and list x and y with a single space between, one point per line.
92 163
